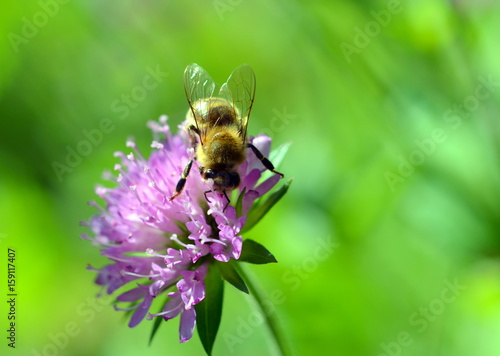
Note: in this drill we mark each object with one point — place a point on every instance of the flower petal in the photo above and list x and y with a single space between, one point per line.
187 323
141 311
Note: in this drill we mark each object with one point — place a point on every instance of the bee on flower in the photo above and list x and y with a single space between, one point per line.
170 241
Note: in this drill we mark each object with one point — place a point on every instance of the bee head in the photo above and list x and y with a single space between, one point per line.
223 180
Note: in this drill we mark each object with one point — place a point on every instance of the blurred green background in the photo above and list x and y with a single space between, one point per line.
388 241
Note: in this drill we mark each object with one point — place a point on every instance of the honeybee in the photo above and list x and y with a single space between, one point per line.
217 127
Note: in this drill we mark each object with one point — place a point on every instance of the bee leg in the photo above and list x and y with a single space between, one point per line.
182 181
267 163
225 195
205 194
194 129
193 132
228 201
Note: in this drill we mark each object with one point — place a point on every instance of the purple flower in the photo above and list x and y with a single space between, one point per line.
159 247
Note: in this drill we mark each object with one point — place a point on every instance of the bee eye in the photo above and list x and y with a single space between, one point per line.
210 173
234 179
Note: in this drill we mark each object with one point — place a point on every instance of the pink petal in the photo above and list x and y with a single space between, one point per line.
186 327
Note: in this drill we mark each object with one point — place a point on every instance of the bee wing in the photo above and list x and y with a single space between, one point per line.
198 85
239 89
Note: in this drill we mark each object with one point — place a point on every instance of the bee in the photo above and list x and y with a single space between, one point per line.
217 127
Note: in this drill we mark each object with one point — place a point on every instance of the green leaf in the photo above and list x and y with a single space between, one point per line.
276 157
258 212
230 274
239 202
182 226
254 252
278 154
137 254
156 325
209 310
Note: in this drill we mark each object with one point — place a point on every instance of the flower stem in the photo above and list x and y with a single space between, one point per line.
270 316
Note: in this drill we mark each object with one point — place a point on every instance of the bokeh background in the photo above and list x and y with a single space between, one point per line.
388 240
